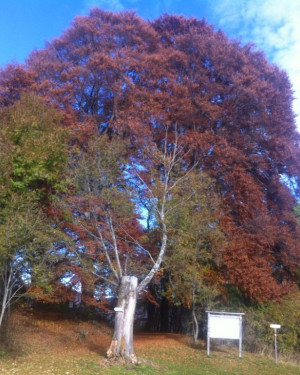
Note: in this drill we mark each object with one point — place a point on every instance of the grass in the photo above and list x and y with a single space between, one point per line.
55 346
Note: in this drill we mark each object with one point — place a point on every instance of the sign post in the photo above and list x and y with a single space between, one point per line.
275 327
224 325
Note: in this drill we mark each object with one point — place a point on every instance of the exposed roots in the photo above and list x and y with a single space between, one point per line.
111 353
133 360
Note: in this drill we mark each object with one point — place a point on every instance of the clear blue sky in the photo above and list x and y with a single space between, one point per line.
27 24
274 25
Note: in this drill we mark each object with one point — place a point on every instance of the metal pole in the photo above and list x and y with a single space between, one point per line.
275 334
240 339
275 327
208 343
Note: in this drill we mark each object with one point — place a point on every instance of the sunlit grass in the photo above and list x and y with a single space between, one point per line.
181 360
53 347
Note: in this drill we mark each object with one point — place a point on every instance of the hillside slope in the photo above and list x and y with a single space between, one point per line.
54 345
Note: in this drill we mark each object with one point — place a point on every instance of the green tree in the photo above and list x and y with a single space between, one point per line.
33 144
26 250
194 253
110 185
32 151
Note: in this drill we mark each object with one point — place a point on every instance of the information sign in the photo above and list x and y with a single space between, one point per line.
223 325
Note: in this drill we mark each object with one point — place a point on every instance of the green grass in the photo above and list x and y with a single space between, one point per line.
181 360
49 345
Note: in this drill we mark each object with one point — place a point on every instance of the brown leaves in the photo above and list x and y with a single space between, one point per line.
132 79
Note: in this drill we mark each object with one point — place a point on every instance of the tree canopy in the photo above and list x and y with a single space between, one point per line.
33 152
132 79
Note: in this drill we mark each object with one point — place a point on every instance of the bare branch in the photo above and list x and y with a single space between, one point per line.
102 242
105 279
115 246
137 243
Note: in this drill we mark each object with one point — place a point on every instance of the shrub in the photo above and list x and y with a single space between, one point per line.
258 336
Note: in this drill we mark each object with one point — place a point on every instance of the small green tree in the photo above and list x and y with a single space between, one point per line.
32 151
194 253
26 250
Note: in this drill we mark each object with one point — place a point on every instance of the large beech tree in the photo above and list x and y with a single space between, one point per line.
230 107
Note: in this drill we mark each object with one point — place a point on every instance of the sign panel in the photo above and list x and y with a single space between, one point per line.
224 326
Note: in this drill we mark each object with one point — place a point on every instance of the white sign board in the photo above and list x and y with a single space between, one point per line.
223 325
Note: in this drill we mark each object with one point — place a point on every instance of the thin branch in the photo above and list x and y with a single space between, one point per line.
101 240
115 246
182 177
143 182
179 204
107 254
137 243
98 230
105 279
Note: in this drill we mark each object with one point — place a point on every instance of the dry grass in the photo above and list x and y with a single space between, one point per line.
59 335
53 345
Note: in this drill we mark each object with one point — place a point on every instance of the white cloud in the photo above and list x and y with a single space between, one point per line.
274 26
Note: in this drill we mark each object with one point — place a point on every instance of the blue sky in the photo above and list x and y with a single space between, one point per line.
273 25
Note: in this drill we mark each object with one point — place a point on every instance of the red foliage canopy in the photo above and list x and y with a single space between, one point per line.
230 106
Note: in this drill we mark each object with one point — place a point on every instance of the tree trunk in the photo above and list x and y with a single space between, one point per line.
195 320
122 342
195 327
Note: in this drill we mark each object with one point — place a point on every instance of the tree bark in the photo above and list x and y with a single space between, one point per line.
195 321
122 342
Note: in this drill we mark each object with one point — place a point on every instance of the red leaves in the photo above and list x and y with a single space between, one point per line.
126 77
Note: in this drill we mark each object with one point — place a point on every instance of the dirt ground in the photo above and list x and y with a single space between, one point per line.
34 332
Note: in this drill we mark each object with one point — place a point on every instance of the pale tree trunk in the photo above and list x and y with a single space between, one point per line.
122 342
195 321
6 293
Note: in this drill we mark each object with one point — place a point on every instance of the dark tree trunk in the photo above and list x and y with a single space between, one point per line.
164 315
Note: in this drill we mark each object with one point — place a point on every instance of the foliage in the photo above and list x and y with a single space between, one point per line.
33 149
131 80
195 248
101 213
183 144
231 107
196 240
297 211
260 337
26 241
35 144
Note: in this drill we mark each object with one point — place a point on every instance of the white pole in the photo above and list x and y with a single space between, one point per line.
240 339
275 327
208 343
275 334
